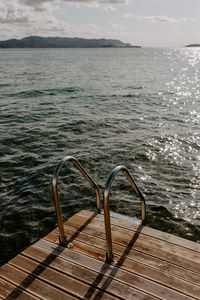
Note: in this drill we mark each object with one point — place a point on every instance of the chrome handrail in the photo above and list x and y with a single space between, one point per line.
109 253
63 238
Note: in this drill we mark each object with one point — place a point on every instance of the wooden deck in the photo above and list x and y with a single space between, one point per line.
148 264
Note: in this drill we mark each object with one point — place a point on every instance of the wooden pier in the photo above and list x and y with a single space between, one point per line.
148 264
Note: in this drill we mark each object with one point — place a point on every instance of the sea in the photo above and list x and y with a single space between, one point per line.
137 107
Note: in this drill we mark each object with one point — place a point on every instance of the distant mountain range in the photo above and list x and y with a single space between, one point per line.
193 45
61 42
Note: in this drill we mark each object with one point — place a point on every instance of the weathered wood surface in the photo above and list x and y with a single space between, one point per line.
148 264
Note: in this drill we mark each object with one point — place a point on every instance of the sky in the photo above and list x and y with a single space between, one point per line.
150 23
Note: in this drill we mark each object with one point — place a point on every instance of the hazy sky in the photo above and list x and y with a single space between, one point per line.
139 22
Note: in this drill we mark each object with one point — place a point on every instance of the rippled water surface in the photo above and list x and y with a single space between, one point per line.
136 107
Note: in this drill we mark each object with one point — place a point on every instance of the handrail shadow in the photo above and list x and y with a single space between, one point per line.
115 269
20 288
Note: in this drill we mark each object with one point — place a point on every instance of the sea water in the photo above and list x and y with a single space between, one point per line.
106 107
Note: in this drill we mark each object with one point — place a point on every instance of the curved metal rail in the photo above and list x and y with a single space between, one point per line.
109 253
63 238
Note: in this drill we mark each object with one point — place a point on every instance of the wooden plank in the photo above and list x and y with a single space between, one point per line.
148 265
146 231
120 233
153 274
89 276
147 262
120 274
144 247
9 291
32 285
143 243
62 282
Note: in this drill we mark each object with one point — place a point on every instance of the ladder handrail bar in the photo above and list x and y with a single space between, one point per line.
109 253
63 238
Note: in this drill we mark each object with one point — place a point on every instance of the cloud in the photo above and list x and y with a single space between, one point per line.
149 0
10 20
37 16
19 18
127 16
17 11
39 3
108 8
27 19
114 25
187 20
99 1
12 13
34 2
44 5
163 19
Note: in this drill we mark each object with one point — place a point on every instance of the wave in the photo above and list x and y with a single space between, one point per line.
5 85
46 92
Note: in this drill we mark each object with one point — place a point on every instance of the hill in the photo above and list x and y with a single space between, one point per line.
193 45
61 42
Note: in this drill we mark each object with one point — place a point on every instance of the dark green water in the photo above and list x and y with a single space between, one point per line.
136 107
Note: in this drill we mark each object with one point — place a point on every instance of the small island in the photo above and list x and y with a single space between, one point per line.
193 45
62 42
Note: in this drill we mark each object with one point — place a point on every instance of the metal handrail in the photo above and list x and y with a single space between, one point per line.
63 238
109 253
